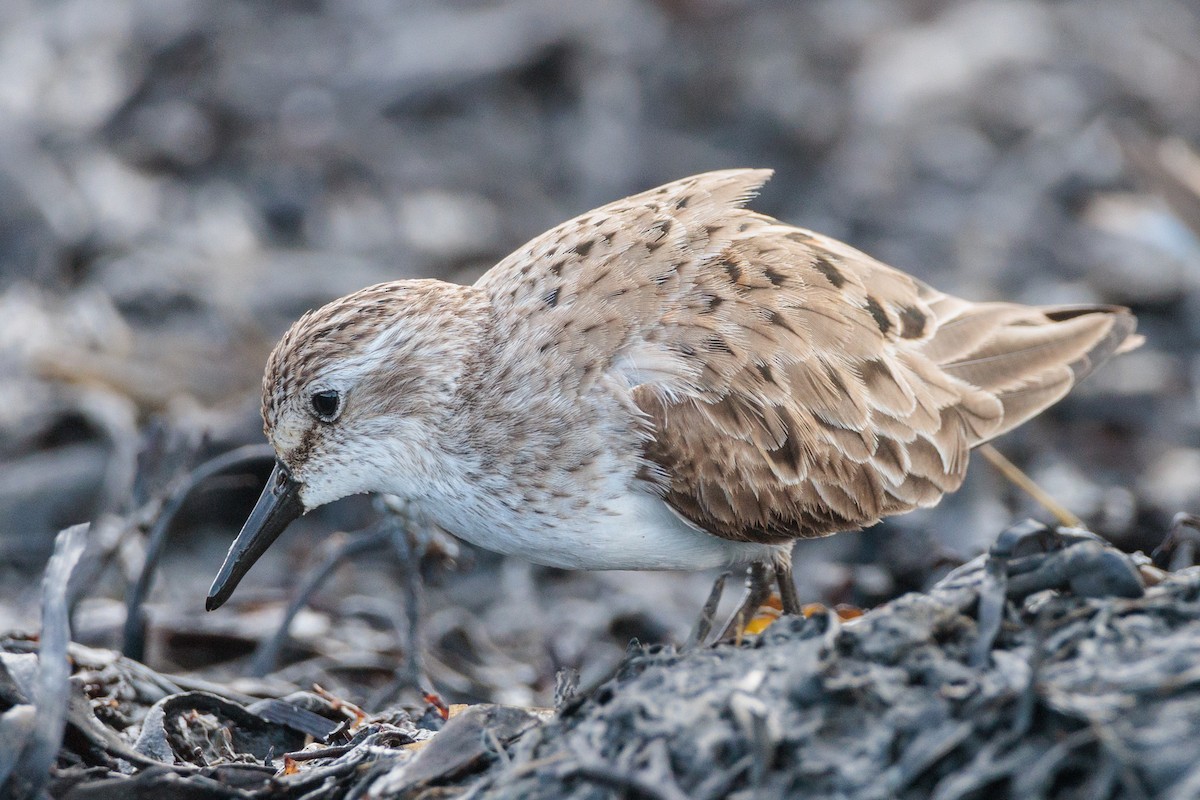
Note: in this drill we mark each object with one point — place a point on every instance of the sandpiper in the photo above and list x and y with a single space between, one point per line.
671 381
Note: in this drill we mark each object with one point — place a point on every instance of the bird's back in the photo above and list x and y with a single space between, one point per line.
791 385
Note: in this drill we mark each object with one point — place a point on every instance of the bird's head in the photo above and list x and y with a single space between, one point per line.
357 396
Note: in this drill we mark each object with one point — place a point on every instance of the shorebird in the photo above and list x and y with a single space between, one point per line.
669 382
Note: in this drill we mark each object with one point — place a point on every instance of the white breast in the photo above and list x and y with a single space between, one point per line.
636 530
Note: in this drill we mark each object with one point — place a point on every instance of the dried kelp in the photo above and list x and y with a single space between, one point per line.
1055 666
1079 695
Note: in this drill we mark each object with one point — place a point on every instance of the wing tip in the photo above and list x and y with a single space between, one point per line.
1121 336
1098 331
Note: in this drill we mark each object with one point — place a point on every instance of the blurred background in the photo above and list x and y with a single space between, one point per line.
180 180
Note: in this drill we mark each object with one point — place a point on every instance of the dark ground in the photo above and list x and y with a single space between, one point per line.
180 180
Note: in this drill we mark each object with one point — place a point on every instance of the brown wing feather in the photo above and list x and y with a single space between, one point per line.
794 386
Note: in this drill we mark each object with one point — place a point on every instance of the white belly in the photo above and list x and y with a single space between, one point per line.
636 531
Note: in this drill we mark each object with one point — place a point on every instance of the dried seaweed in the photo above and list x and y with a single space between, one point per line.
50 694
1071 695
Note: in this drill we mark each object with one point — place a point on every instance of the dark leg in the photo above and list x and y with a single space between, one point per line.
787 586
704 625
758 589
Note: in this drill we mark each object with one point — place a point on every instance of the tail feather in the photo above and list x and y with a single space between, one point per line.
1044 391
1119 339
1028 358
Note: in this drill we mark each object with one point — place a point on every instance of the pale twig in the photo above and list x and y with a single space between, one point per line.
1025 483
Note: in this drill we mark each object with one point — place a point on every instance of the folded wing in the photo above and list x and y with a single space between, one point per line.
793 386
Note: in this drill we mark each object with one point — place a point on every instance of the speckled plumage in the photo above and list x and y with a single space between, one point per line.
670 381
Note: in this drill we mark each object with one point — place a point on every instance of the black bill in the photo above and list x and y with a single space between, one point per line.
277 506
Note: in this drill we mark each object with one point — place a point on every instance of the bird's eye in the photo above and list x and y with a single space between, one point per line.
325 405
